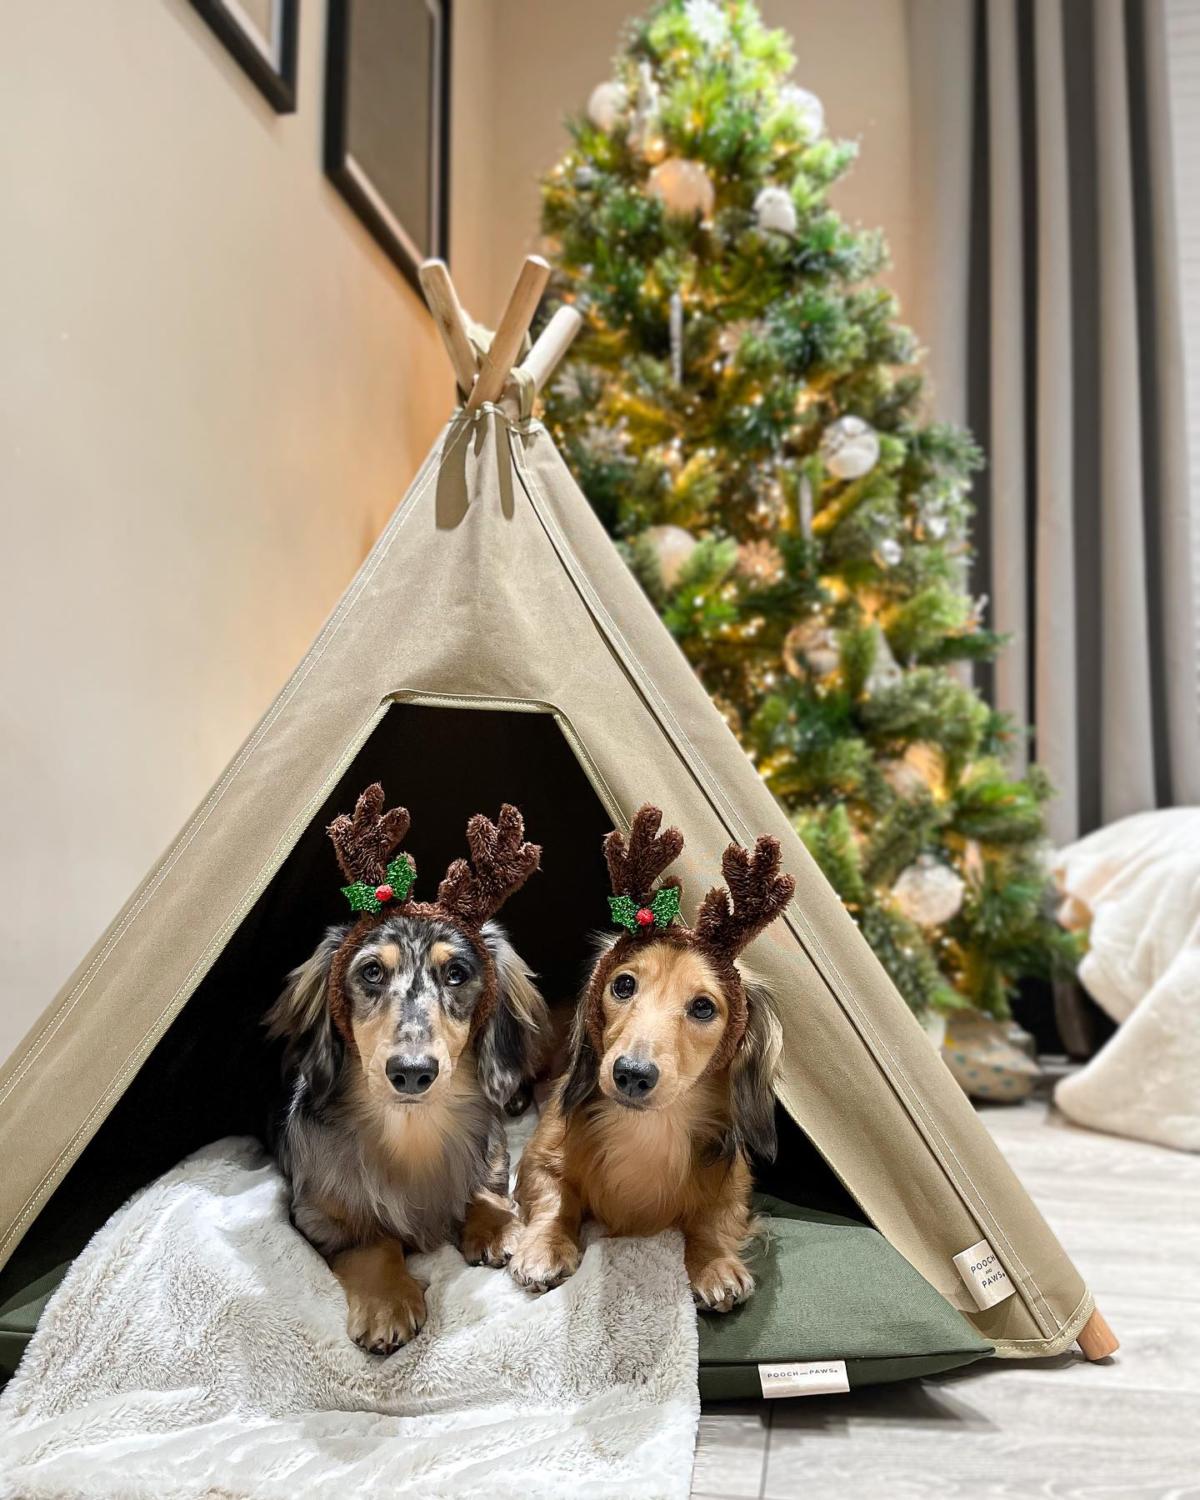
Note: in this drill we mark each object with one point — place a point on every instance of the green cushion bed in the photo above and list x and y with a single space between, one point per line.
830 1288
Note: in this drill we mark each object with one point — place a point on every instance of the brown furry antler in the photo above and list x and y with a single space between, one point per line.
363 842
502 863
633 867
757 893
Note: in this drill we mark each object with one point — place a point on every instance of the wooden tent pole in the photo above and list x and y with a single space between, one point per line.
506 345
450 319
553 342
1096 1339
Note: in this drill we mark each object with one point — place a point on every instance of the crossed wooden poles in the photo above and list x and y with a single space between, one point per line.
483 378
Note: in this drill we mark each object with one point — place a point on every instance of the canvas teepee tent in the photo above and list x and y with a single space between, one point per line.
493 645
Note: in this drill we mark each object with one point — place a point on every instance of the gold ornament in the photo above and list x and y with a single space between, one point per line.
672 546
810 649
760 561
684 187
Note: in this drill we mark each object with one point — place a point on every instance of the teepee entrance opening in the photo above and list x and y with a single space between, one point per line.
213 1073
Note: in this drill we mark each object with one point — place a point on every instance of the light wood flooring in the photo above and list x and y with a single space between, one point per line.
1061 1429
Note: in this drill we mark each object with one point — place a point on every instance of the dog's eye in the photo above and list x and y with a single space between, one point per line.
623 986
702 1009
457 974
371 973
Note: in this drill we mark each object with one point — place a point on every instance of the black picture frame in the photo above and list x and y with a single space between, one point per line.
404 246
274 76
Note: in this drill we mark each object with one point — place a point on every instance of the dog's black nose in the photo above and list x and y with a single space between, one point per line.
412 1075
633 1077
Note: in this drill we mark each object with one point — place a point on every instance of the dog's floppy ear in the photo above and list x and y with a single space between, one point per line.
583 1070
752 1077
514 1038
300 1017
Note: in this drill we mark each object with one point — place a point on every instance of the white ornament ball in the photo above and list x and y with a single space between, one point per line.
708 21
607 104
684 187
928 892
849 448
890 552
774 210
672 546
806 107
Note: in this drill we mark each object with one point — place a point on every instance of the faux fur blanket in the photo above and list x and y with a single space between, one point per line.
198 1348
1136 885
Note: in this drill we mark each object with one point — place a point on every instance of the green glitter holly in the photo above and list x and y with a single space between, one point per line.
661 912
401 873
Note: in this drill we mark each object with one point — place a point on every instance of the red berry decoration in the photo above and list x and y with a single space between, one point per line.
383 894
644 916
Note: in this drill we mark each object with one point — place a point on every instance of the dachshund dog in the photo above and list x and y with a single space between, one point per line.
406 1033
669 1088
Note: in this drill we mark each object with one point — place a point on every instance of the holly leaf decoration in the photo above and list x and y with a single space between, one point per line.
665 906
401 873
624 911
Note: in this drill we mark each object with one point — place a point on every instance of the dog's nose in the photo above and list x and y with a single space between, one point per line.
412 1075
633 1077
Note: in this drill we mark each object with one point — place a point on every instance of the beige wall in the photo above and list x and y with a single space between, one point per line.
213 389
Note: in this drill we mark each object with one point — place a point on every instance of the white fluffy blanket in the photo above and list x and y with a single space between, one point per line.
1138 883
198 1348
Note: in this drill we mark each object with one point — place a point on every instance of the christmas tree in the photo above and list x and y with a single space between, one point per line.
743 412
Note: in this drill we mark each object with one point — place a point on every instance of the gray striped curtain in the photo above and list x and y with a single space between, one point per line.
1049 299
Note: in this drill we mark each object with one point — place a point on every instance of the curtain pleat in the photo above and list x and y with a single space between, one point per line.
1007 458
1127 763
1055 649
1072 363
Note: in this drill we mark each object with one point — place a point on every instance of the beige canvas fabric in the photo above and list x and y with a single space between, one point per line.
494 586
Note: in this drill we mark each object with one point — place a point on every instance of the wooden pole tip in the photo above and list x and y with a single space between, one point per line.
1096 1339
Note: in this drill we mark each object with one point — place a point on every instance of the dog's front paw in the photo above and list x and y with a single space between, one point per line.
542 1261
491 1242
383 1324
721 1284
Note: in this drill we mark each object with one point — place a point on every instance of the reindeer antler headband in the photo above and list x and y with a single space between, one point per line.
730 917
381 882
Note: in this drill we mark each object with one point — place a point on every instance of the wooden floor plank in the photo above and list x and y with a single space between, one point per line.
1062 1429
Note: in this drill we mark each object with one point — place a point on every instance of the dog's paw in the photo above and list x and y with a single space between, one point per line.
490 1244
381 1325
539 1264
721 1284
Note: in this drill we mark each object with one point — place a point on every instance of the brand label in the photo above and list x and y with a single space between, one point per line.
984 1276
816 1377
